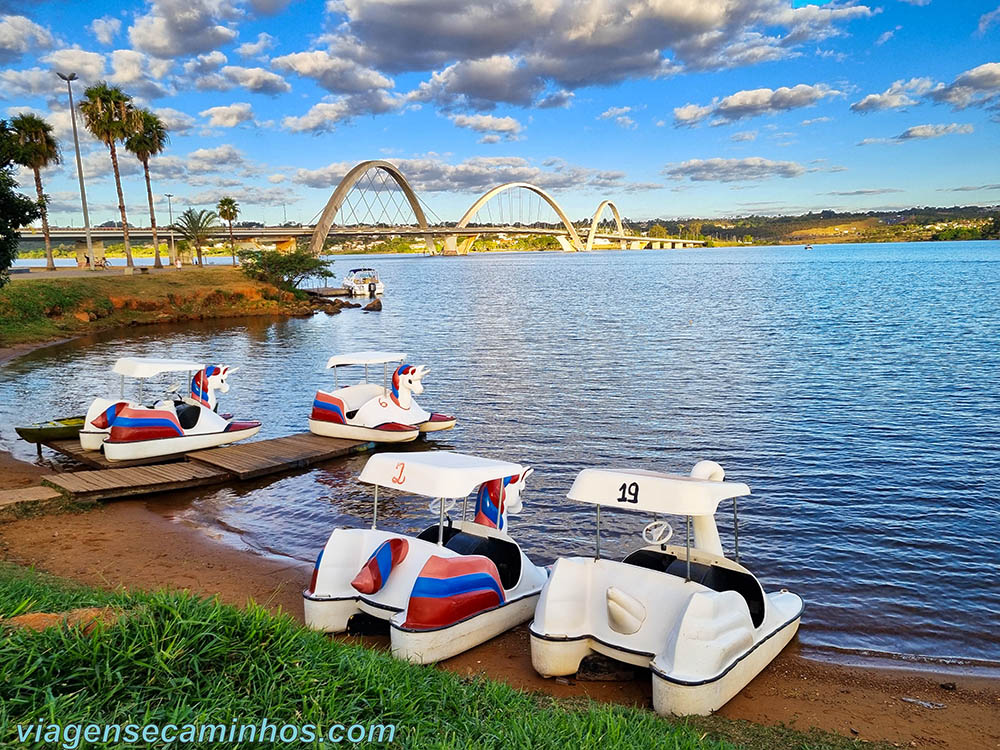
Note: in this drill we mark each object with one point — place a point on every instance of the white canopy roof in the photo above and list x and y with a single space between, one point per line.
140 367
365 358
653 492
435 473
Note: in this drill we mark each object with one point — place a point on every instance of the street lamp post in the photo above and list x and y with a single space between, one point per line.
170 210
79 166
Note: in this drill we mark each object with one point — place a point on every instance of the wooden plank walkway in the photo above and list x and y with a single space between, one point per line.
95 459
248 460
133 480
211 466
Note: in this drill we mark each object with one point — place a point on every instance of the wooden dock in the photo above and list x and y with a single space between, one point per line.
195 469
96 459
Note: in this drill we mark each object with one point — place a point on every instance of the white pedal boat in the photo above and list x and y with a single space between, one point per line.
453 586
700 621
385 413
126 430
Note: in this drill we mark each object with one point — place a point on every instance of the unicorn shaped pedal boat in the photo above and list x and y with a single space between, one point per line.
127 431
456 584
385 413
700 621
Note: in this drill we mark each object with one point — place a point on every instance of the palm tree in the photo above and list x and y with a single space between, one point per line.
149 139
228 210
110 116
196 227
36 149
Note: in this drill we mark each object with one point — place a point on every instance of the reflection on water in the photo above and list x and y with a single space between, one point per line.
853 388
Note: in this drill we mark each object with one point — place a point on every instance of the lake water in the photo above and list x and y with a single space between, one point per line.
854 388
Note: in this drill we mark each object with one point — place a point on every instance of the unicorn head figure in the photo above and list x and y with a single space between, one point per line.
406 381
499 497
208 381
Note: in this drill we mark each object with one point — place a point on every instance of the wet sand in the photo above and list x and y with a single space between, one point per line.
138 544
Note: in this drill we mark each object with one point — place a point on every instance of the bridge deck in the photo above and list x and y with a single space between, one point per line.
199 468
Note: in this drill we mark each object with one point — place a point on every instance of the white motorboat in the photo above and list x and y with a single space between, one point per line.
385 413
127 430
453 586
363 282
699 621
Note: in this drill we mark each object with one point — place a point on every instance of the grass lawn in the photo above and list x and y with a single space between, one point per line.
174 658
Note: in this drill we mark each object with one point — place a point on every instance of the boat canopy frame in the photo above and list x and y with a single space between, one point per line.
366 359
142 368
659 493
439 475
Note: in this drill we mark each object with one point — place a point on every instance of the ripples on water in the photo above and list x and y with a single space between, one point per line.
854 388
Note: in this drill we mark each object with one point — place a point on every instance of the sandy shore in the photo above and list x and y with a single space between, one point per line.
139 544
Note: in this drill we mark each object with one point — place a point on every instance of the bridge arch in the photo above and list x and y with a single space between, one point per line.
574 237
596 220
340 194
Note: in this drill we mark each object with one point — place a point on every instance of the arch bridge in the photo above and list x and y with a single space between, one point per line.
379 186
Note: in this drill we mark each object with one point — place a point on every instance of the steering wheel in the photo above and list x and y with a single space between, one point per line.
658 532
435 505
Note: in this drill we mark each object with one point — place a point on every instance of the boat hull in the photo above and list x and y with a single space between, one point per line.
137 449
57 429
430 646
683 699
365 434
430 426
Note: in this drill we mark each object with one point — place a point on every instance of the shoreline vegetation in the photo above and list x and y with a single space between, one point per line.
48 309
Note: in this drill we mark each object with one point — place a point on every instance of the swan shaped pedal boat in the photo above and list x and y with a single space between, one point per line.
700 621
453 586
385 413
126 430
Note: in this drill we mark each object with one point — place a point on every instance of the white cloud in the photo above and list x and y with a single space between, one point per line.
620 116
134 72
257 80
753 103
885 36
174 28
336 74
105 29
986 20
19 34
174 120
207 160
743 136
205 64
325 116
228 115
245 195
979 86
899 94
274 179
89 66
733 170
922 132
816 120
253 49
494 127
480 84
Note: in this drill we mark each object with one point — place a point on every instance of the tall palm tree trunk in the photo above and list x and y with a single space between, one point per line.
152 217
50 264
232 243
121 205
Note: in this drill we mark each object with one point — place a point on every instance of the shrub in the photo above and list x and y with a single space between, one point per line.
284 270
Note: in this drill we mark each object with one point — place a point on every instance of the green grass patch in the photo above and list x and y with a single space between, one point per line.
175 658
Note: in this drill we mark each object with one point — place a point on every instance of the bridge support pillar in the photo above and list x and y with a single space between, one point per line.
450 245
80 246
565 244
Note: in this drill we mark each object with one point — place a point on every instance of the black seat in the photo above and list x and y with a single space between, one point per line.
505 555
713 577
187 414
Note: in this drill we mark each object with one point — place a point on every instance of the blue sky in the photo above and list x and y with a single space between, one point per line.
673 108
